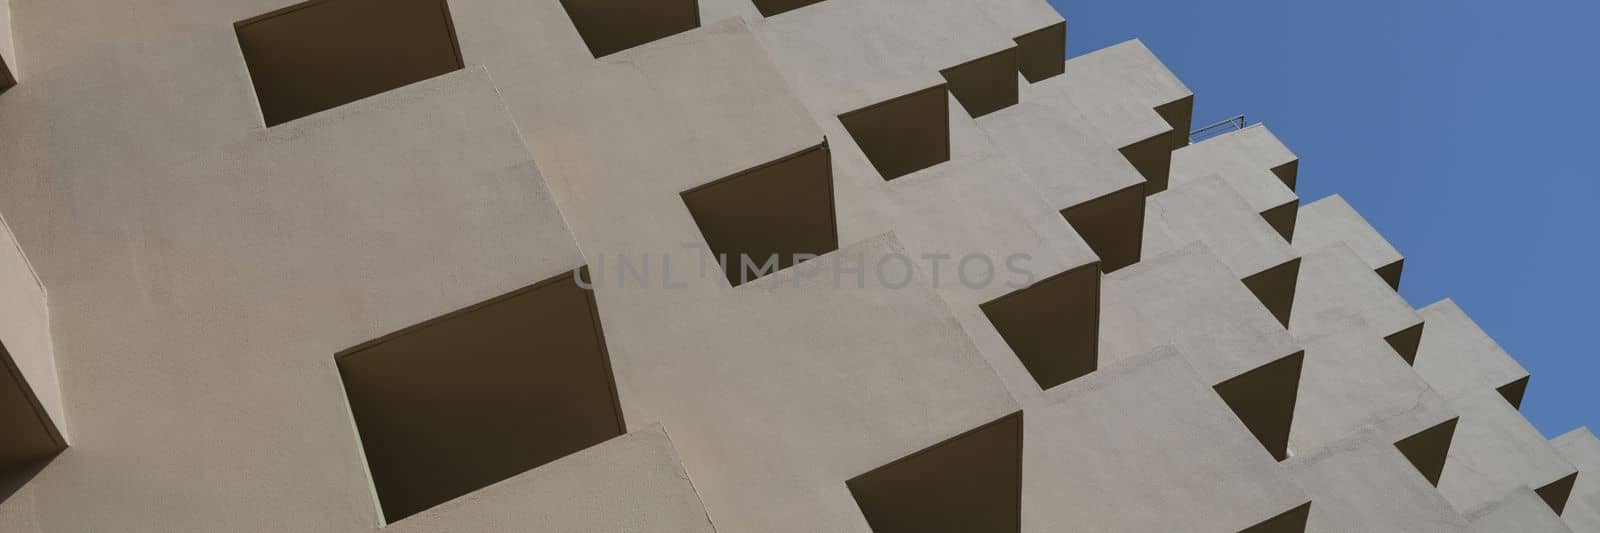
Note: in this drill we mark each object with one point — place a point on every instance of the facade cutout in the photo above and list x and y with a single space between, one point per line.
1264 400
1053 326
986 84
611 26
455 404
30 436
770 8
758 221
1291 521
1042 53
1274 287
972 482
1428 449
322 54
904 134
1406 341
1112 225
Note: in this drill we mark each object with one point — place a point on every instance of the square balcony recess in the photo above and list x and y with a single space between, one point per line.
30 436
1053 326
972 482
986 84
757 221
903 134
770 8
611 26
455 404
322 54
1112 225
1042 53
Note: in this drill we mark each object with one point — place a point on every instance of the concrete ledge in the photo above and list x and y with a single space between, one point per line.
1149 413
1331 220
1352 384
1209 211
1580 448
630 484
1520 511
1246 159
1368 485
1338 293
1457 358
1496 453
32 414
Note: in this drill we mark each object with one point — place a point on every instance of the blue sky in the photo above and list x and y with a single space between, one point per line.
1463 130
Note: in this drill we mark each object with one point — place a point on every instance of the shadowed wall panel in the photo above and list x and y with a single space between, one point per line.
1042 54
986 84
905 134
1264 400
26 433
770 8
972 482
778 210
611 26
1112 225
450 406
1275 288
326 53
1053 326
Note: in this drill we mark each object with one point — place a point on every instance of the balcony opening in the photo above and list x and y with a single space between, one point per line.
1405 342
1274 287
986 84
1042 53
972 482
1555 493
322 54
1291 521
770 217
1264 400
1053 326
1513 391
1391 273
30 435
1180 115
770 8
1282 219
1428 449
904 134
1152 157
1112 226
455 404
611 26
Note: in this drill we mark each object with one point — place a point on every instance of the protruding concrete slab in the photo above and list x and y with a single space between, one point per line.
1457 358
1210 211
31 410
1365 484
1580 448
1040 34
1521 511
1139 470
1331 220
633 483
321 54
1187 299
1246 159
1496 453
1135 102
971 482
1338 293
1352 384
1100 193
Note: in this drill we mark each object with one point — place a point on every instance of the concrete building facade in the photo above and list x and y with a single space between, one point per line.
701 265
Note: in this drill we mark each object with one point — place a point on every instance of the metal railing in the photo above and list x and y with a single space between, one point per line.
1226 126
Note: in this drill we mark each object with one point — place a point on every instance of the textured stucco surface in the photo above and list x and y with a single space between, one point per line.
198 272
